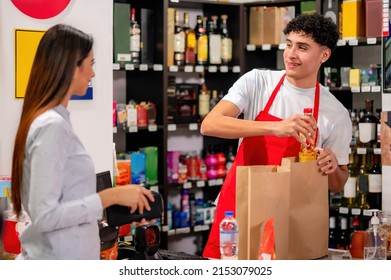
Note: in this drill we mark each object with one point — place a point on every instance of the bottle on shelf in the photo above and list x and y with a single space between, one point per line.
214 100
179 42
226 41
134 38
332 233
229 237
343 237
202 41
203 99
367 126
374 196
378 128
350 189
375 240
362 180
355 132
214 42
307 152
190 41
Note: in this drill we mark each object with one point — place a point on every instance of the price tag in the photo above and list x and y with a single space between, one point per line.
366 89
182 230
171 232
188 68
157 67
282 46
171 127
165 228
143 67
199 69
154 188
250 48
376 89
353 42
371 41
200 184
341 43
367 212
197 228
212 69
236 69
116 66
152 127
212 182
114 129
187 185
173 68
129 67
193 126
355 89
224 69
343 210
219 181
356 211
266 47
205 227
133 129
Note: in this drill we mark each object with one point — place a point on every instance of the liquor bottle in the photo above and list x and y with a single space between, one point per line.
134 38
203 99
226 41
343 237
355 131
307 152
179 42
362 180
350 189
367 126
374 196
378 128
229 237
214 100
332 233
190 41
214 42
202 41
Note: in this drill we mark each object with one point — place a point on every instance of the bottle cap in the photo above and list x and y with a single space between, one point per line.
375 218
229 213
307 110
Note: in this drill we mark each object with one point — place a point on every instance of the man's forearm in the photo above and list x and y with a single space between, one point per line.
338 179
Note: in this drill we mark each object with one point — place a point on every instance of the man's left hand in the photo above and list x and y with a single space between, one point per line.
327 161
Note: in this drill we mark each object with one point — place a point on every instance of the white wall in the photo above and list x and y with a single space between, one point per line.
91 119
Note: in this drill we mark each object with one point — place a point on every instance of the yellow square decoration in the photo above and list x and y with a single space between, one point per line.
26 44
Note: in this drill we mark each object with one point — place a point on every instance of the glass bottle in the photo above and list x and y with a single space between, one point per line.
367 126
350 189
307 152
362 179
179 42
374 196
214 100
190 41
202 41
134 38
203 99
343 237
355 132
332 233
226 41
214 42
378 128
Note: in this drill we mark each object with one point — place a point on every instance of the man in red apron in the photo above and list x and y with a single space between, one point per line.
267 138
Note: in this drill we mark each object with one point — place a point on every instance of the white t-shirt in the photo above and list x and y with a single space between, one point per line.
252 91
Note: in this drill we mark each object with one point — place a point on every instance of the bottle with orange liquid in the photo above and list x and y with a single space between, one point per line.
307 152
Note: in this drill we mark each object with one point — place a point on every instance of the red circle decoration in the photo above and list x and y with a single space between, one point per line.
41 9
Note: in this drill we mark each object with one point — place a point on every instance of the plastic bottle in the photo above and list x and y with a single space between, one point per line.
229 237
307 153
375 241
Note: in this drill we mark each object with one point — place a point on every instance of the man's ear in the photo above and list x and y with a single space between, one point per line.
326 55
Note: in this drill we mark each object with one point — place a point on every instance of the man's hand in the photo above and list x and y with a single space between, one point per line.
327 161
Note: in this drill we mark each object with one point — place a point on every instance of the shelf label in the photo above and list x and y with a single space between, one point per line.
376 89
171 232
165 228
188 68
133 129
266 47
182 230
205 227
343 210
371 41
250 48
116 66
152 127
157 67
193 126
198 228
282 46
353 42
356 211
154 188
129 67
367 212
355 89
199 69
212 182
236 69
114 129
143 67
171 127
341 43
224 69
366 89
187 185
212 69
200 184
219 181
173 68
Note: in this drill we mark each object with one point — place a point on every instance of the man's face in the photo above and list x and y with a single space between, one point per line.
302 59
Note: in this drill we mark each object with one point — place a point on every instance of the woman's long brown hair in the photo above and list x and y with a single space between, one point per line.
61 49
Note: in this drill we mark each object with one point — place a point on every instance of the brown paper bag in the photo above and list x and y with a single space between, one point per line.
296 195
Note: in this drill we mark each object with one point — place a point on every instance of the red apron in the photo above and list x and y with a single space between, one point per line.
255 150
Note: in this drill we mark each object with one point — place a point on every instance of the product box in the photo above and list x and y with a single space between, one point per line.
286 14
170 35
332 9
256 25
147 36
272 28
355 78
373 18
353 19
307 7
121 33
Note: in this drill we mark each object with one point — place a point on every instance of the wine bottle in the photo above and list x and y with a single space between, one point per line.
179 42
226 41
367 126
374 196
307 152
355 131
343 237
190 41
350 189
214 42
214 100
203 99
134 38
332 233
202 41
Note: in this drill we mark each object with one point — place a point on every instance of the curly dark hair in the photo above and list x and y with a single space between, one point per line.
320 28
